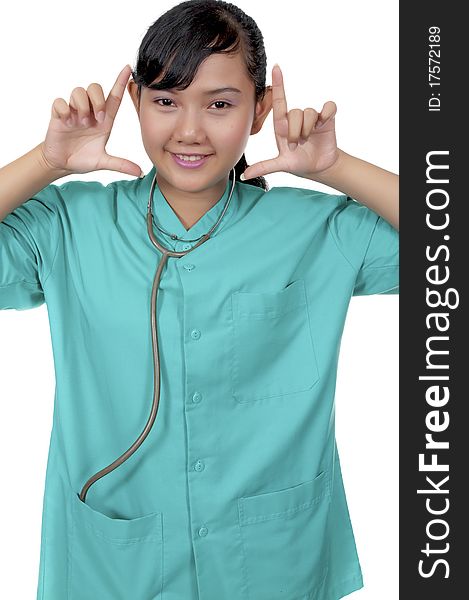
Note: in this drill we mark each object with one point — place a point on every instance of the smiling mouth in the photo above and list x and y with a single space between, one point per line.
197 156
190 163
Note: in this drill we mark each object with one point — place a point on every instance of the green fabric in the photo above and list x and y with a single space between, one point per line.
237 491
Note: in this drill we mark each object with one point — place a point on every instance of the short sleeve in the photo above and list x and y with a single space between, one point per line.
370 244
28 243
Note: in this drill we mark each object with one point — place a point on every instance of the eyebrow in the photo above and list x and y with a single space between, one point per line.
206 93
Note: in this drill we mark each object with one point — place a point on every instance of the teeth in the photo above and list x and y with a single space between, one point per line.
191 158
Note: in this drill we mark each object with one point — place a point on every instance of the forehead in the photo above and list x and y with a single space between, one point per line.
219 71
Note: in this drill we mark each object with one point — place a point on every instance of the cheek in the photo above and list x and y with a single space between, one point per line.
233 132
154 128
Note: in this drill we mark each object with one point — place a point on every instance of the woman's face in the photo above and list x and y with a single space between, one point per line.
201 121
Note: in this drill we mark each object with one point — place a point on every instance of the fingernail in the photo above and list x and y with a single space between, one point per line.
142 175
242 177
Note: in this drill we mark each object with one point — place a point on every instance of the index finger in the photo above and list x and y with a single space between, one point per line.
279 100
114 98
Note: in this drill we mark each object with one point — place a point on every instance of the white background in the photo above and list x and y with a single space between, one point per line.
342 51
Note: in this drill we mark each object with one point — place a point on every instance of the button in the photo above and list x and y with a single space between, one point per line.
203 531
199 466
195 334
186 247
189 266
196 397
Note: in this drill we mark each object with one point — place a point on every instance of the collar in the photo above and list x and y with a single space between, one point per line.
167 219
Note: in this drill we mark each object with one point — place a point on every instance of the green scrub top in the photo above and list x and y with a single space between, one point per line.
237 493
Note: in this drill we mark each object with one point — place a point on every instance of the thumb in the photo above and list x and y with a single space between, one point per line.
264 167
122 165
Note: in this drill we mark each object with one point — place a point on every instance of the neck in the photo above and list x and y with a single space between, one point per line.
190 207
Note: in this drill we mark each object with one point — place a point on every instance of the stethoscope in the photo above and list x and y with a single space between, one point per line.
156 359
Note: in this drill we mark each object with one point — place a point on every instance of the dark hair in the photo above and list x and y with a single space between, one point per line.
186 35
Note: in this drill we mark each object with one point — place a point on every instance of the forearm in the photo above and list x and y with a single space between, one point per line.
366 183
23 178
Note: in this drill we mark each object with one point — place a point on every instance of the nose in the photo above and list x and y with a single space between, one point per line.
189 127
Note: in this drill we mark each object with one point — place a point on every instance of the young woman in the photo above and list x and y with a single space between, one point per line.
233 490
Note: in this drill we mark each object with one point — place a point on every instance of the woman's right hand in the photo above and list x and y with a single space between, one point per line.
74 146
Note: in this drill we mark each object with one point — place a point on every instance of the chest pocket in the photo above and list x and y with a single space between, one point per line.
273 352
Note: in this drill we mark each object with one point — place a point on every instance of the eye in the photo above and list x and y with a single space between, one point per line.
222 102
157 100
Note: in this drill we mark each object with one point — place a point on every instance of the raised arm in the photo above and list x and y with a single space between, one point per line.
75 143
23 178
370 185
307 147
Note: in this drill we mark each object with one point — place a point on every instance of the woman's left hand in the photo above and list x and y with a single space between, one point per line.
306 139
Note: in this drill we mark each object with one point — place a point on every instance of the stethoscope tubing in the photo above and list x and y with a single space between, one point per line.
166 253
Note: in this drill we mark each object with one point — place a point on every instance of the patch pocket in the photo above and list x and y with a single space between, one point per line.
284 538
114 559
273 350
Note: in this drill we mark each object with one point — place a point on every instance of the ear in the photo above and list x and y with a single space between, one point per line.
263 108
132 88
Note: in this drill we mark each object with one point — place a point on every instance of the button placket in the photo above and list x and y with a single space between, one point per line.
195 334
